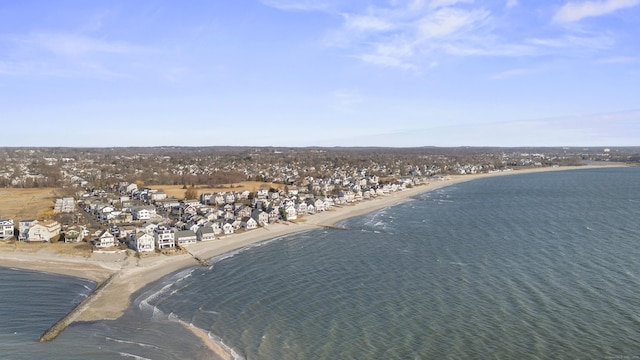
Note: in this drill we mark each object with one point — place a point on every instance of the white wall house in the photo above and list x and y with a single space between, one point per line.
164 237
23 228
248 223
142 242
105 240
143 212
43 231
6 229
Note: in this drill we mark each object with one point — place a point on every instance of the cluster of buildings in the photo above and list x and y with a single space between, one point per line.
147 220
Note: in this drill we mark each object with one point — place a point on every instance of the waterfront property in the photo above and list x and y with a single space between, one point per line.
6 229
164 237
142 242
43 231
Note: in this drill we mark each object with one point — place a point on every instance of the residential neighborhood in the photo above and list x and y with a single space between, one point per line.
106 201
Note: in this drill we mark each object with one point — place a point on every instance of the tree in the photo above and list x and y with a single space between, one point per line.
191 193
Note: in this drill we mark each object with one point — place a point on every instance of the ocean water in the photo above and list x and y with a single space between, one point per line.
527 266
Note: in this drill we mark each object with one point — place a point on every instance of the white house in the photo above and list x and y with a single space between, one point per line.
6 229
23 228
157 195
105 240
164 237
227 228
143 212
142 242
43 231
261 217
301 209
248 223
75 233
291 213
230 198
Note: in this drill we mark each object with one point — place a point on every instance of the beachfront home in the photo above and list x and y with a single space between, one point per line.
248 223
185 237
142 242
205 233
6 229
291 213
164 237
105 239
43 231
261 217
227 228
23 228
75 233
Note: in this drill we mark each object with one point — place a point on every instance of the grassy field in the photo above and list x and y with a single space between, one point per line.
178 191
80 249
37 203
23 204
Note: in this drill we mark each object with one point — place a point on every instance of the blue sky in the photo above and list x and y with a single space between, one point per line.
320 73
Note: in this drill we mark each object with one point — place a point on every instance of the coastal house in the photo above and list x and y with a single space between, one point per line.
23 228
105 239
290 213
206 198
217 225
164 237
185 237
274 215
142 242
227 228
248 223
43 231
301 208
205 233
155 195
131 188
311 207
218 199
6 229
243 211
75 233
141 213
261 217
329 203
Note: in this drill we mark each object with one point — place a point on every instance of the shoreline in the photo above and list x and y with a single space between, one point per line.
127 274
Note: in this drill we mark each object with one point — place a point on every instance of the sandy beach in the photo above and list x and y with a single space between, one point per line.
127 273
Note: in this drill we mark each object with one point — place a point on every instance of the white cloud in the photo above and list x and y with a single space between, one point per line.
69 45
65 55
576 11
434 4
298 5
448 21
511 4
367 23
411 34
